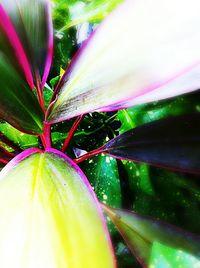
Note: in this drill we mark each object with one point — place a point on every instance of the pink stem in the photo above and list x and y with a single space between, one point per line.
41 99
46 136
40 94
71 133
89 155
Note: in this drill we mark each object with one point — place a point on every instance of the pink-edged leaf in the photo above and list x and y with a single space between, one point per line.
188 82
33 24
172 143
142 232
140 47
50 215
18 105
11 47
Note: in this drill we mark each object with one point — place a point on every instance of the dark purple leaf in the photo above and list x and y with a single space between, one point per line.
172 143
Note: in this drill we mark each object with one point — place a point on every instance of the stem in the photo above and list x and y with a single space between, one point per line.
46 136
40 93
89 155
71 132
41 99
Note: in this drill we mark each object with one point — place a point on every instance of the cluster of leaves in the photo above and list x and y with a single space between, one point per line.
165 134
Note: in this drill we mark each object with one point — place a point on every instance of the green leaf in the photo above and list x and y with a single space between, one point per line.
47 94
126 117
145 113
50 215
18 105
141 232
22 140
167 257
102 172
170 196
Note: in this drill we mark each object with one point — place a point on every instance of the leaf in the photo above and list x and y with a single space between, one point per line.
47 94
184 83
33 24
11 48
102 172
163 256
18 105
175 196
169 196
135 51
50 215
171 143
145 113
141 232
20 139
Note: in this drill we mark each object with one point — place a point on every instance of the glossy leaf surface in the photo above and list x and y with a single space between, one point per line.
102 172
163 256
50 216
140 234
172 143
18 105
136 50
32 22
22 140
12 49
